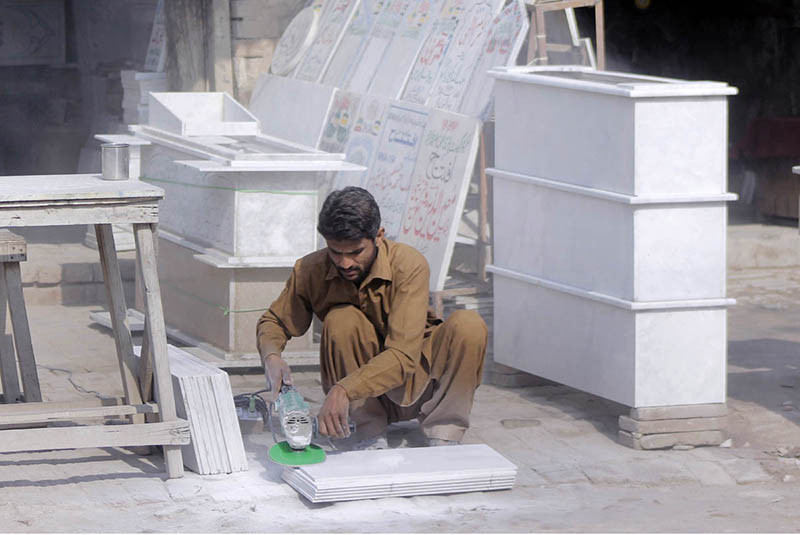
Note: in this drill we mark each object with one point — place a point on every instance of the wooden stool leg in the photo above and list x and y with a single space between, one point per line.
8 361
146 259
119 318
146 364
22 333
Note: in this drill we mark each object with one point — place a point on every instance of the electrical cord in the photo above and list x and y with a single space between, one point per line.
252 402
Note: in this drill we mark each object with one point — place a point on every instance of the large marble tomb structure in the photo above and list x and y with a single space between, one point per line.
240 208
610 233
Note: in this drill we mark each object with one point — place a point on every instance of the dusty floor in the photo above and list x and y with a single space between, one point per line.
573 476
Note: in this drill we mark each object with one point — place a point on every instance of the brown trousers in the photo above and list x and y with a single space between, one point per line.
457 350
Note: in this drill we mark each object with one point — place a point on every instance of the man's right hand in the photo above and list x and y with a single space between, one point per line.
278 373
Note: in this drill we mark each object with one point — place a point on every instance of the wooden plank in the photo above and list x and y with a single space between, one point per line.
173 433
146 365
185 65
8 359
90 214
54 406
146 261
565 4
12 247
220 64
483 210
119 317
39 412
22 333
600 35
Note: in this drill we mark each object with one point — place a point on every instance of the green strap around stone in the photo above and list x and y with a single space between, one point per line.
225 310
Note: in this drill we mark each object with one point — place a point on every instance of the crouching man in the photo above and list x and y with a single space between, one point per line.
384 357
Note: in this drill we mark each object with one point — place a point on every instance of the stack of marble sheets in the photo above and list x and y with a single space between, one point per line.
203 397
359 475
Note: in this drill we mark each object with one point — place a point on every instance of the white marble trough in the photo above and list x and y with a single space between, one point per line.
609 232
198 114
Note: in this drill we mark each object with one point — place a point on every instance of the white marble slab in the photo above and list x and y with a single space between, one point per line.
438 189
462 55
393 68
364 138
351 46
638 358
380 37
245 214
44 188
403 472
332 27
423 73
390 174
598 135
295 41
506 36
339 121
655 252
291 109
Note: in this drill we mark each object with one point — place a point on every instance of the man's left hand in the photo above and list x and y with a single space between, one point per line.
333 416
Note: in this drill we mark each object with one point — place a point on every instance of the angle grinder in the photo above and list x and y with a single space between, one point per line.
298 428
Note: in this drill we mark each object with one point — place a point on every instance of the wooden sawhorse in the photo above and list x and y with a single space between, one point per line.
49 200
13 250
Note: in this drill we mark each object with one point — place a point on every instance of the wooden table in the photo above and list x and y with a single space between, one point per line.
88 200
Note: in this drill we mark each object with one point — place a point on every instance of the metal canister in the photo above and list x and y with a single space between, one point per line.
115 159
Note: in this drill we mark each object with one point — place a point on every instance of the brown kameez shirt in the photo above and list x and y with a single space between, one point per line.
393 296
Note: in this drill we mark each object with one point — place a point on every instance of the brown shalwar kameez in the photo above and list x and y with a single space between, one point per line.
381 343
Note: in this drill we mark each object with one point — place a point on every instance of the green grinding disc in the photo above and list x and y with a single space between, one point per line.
282 453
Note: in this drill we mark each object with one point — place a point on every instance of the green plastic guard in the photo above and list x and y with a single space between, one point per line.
282 453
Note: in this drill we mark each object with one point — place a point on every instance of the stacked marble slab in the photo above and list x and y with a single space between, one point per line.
136 86
361 475
240 209
204 398
610 233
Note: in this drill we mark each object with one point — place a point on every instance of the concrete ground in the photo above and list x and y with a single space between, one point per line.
572 474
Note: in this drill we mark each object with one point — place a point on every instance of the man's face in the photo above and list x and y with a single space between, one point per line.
353 258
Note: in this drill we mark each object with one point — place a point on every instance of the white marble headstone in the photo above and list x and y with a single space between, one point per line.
295 41
332 27
506 35
392 72
439 188
392 166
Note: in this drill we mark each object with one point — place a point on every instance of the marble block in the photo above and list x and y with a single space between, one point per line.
628 247
216 305
629 354
291 109
253 216
626 133
609 232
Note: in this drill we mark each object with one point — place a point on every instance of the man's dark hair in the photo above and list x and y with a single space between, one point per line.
349 214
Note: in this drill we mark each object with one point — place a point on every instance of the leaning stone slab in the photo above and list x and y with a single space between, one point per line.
682 425
672 412
668 440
